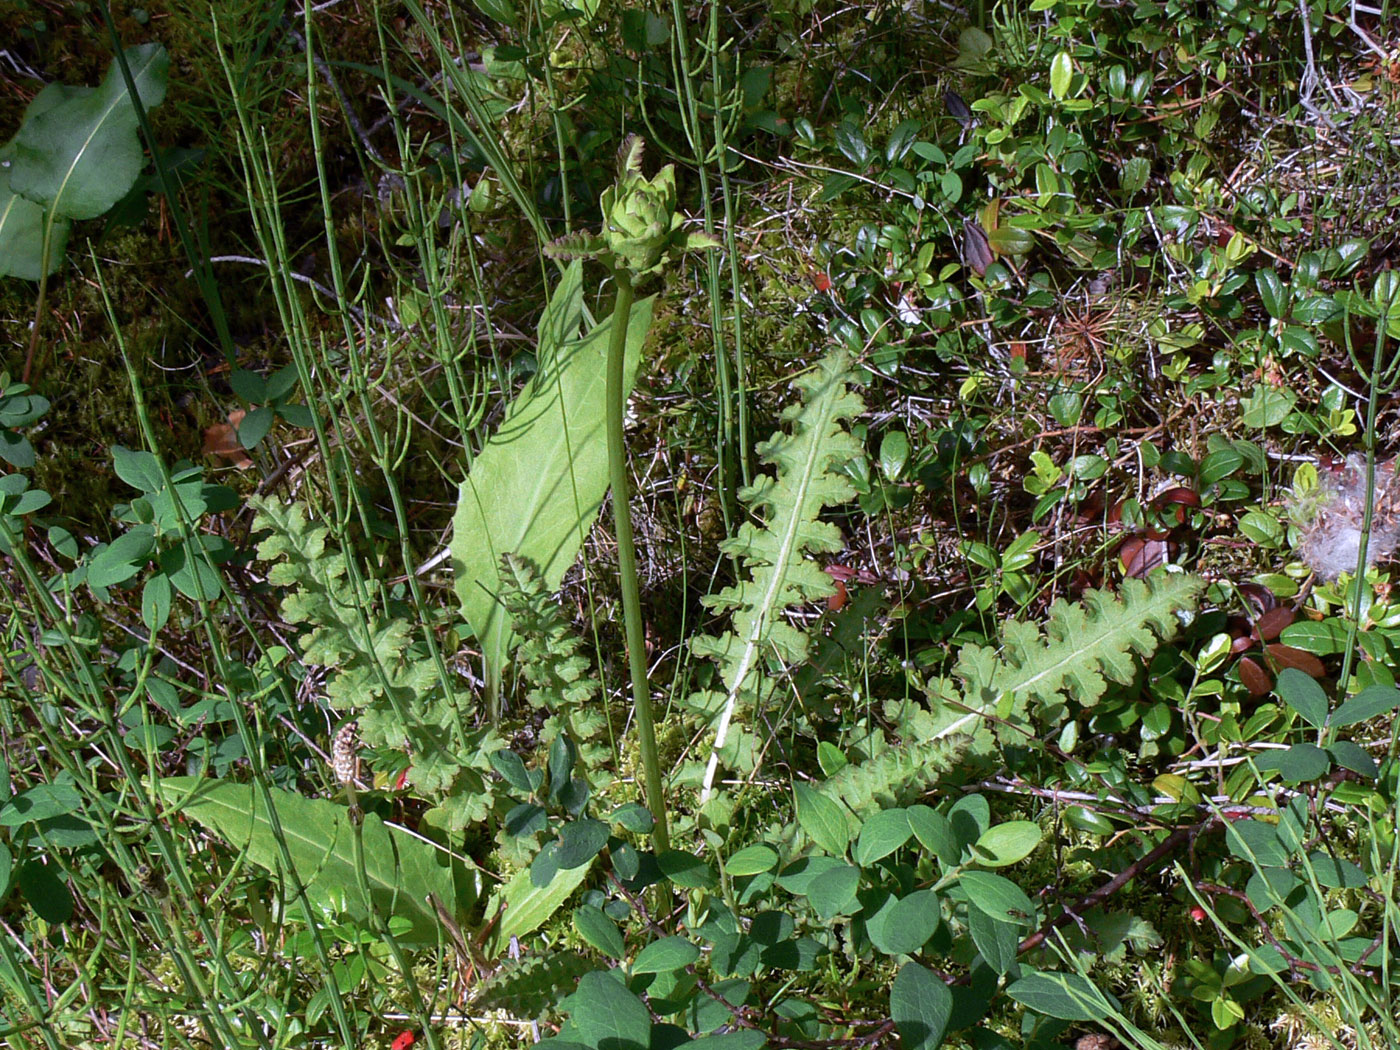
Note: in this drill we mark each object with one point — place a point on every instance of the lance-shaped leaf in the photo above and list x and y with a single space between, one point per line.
404 873
536 487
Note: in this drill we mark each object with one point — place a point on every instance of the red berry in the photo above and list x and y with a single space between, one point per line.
403 1042
1198 913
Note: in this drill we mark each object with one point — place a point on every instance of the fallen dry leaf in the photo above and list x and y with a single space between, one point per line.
221 440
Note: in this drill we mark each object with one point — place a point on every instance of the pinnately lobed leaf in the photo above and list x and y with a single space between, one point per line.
775 555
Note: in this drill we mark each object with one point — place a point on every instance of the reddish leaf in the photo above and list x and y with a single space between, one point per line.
1274 621
1142 554
1288 656
1255 678
977 252
1259 597
821 282
837 601
1179 497
221 440
1242 644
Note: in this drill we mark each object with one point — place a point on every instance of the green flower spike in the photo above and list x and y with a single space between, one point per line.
641 227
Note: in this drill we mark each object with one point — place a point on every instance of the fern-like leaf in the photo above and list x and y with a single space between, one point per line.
774 555
1082 647
549 658
398 698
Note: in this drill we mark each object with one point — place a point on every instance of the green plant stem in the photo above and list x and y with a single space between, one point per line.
627 557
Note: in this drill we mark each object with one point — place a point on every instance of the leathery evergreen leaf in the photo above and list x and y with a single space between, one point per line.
537 485
403 873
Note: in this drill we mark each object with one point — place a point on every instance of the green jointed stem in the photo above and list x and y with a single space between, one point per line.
627 558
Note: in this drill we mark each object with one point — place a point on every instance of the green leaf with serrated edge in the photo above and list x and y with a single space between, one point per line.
822 819
1371 702
79 155
775 547
599 931
920 1005
404 873
1302 693
882 834
537 485
1067 996
1000 898
1005 844
751 860
526 906
665 955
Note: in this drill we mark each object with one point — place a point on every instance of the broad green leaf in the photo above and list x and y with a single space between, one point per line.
1061 74
996 941
45 891
599 931
669 953
1005 844
1335 872
1297 764
894 454
935 834
1256 842
686 869
1322 637
527 906
821 818
920 1005
402 872
581 841
751 860
122 559
833 892
747 1039
1353 756
1370 703
537 485
883 833
22 233
1272 292
1066 996
1007 240
1302 693
1000 898
905 925
80 156
605 1014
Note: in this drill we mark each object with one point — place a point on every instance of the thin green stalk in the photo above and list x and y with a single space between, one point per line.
627 557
